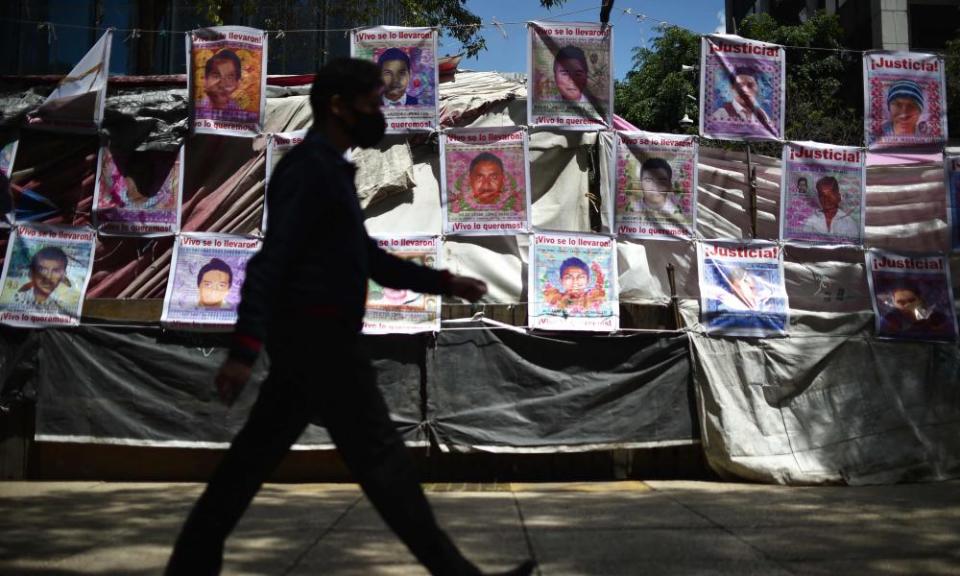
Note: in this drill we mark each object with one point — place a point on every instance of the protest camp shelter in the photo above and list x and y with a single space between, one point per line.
830 403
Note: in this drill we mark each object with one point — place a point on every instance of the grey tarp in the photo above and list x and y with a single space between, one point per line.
829 409
508 391
481 389
138 388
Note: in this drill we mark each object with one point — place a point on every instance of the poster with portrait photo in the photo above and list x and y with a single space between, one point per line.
573 283
407 58
822 193
951 166
138 193
656 180
912 296
227 80
742 290
485 182
904 99
402 311
570 75
45 275
278 144
742 86
206 273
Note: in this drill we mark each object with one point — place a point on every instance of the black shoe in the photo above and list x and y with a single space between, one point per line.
525 569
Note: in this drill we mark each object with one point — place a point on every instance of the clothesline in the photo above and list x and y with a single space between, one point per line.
133 33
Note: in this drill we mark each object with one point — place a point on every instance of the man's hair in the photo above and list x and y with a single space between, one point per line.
828 181
224 55
570 53
486 157
48 253
746 71
393 54
348 77
656 164
573 262
803 179
217 265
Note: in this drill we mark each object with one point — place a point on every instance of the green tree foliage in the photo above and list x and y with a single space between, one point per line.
653 96
818 107
654 93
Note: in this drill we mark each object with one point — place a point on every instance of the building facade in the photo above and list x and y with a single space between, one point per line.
920 25
49 36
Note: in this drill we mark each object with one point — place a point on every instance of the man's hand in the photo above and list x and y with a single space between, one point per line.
231 379
467 288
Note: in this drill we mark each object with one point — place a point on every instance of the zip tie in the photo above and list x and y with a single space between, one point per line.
133 35
281 34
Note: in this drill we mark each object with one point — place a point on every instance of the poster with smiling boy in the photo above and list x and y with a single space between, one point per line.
227 80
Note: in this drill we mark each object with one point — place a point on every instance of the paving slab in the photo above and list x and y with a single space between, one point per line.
622 528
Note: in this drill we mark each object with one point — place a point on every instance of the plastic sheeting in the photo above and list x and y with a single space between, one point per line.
130 387
827 409
483 389
507 391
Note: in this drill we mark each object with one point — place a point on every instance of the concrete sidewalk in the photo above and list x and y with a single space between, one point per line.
623 528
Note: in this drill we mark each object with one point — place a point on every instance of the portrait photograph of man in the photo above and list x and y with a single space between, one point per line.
45 275
570 75
830 219
394 66
905 99
742 86
485 181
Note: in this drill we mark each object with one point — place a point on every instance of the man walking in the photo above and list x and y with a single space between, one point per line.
303 298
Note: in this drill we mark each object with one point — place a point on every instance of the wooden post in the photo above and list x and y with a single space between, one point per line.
752 187
674 300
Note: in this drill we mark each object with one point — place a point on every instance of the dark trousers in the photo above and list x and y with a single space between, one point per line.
327 377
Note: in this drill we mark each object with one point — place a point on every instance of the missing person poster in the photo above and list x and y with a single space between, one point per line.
656 179
392 310
912 296
486 186
570 75
278 144
78 101
742 290
904 99
138 193
227 80
573 283
407 58
822 193
951 165
742 86
45 275
206 273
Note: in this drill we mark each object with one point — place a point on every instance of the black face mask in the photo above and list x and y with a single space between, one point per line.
367 129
